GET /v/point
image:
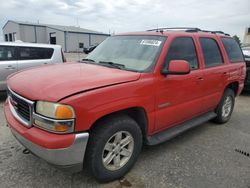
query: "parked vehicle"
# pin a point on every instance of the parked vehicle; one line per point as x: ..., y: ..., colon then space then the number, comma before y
x: 90, y: 49
x: 15, y: 56
x: 246, y: 52
x: 133, y: 89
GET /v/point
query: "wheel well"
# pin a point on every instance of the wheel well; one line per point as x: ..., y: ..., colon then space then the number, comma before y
x: 136, y: 113
x: 234, y: 86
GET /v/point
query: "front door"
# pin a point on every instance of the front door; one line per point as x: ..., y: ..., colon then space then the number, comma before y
x: 178, y: 97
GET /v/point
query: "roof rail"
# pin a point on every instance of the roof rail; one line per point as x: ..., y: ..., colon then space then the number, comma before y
x: 161, y: 29
x: 219, y: 32
x: 187, y: 29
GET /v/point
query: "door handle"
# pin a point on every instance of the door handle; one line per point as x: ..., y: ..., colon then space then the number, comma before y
x: 10, y: 67
x: 200, y: 78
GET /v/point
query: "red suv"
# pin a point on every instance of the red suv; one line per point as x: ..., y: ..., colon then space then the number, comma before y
x: 133, y: 89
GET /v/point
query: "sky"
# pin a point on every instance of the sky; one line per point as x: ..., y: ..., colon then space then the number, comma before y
x: 108, y: 16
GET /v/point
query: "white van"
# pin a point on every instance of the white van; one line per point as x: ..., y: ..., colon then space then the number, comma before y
x: 15, y: 56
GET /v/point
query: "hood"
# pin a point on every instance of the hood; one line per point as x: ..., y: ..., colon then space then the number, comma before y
x: 54, y: 82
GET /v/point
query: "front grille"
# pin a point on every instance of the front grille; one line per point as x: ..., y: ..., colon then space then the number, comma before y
x: 21, y: 108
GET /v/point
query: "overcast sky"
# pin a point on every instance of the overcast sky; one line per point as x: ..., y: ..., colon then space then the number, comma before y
x: 231, y: 16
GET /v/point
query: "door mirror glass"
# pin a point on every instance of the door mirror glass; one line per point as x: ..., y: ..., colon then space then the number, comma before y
x: 177, y: 67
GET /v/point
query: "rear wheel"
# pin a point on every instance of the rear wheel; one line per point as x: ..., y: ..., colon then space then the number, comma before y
x: 114, y: 146
x: 225, y: 107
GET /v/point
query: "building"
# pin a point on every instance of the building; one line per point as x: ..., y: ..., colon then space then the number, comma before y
x: 71, y: 38
x: 246, y: 39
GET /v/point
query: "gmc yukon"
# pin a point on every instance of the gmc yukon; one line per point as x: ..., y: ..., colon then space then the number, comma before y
x: 133, y: 89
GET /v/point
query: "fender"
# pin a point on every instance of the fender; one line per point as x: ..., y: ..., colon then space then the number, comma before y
x: 86, y: 117
x: 124, y: 104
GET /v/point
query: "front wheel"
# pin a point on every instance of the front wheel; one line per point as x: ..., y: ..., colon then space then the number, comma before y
x: 225, y: 107
x: 113, y: 148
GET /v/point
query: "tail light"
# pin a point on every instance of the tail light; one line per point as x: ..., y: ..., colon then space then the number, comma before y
x: 63, y: 56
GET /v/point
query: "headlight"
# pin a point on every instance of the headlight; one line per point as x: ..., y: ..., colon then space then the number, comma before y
x: 55, y: 110
x: 54, y: 117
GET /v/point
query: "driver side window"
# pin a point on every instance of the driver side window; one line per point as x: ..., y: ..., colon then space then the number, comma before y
x: 182, y: 48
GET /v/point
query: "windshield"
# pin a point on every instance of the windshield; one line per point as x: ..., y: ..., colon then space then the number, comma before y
x: 136, y: 53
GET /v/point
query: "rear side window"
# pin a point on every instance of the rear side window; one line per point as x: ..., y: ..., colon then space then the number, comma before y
x: 182, y: 48
x: 7, y: 53
x: 211, y: 52
x: 28, y: 53
x: 233, y: 50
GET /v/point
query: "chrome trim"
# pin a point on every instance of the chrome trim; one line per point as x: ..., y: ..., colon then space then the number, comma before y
x: 163, y: 105
x: 51, y: 121
x: 15, y: 113
x: 19, y: 96
x: 72, y: 155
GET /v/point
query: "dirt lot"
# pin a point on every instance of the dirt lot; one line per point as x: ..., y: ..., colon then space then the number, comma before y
x: 71, y: 57
x: 202, y: 157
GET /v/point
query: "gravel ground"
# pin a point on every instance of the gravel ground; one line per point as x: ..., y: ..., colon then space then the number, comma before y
x: 71, y: 57
x: 202, y: 157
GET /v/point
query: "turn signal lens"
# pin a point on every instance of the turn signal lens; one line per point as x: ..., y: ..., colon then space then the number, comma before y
x: 61, y: 128
x: 64, y: 112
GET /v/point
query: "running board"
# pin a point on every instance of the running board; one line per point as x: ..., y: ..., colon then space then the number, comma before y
x: 176, y: 130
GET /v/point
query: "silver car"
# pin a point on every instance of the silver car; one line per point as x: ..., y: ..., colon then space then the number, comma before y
x: 15, y: 56
x: 246, y: 52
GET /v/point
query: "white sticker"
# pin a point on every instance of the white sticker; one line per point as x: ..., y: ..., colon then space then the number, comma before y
x: 151, y: 42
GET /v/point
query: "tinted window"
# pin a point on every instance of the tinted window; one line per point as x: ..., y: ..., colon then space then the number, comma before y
x: 26, y: 53
x: 7, y: 53
x: 183, y: 48
x: 211, y: 52
x: 233, y: 49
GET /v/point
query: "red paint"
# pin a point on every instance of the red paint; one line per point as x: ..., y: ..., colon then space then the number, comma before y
x: 167, y: 100
x: 179, y: 66
x: 52, y: 83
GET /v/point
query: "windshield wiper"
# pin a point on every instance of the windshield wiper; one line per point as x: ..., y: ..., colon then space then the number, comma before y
x: 86, y: 59
x: 112, y: 64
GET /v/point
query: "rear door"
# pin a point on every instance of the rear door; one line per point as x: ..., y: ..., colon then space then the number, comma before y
x: 178, y: 97
x: 34, y: 56
x: 8, y: 64
x: 214, y: 71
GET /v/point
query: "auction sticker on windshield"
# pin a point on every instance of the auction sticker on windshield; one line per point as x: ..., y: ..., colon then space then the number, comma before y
x: 151, y: 42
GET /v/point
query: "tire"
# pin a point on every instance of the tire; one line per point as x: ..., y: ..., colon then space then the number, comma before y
x: 105, y: 134
x: 225, y: 108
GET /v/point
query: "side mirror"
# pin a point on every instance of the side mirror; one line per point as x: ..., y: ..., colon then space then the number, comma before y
x: 177, y: 67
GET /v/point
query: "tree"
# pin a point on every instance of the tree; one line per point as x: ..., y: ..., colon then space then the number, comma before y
x: 237, y: 39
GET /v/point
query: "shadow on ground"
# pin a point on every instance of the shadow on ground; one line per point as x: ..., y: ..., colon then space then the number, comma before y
x: 3, y: 96
x: 245, y: 93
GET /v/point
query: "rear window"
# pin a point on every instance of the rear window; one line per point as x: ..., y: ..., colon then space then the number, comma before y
x: 7, y: 53
x: 28, y: 53
x: 233, y: 50
x: 211, y: 52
